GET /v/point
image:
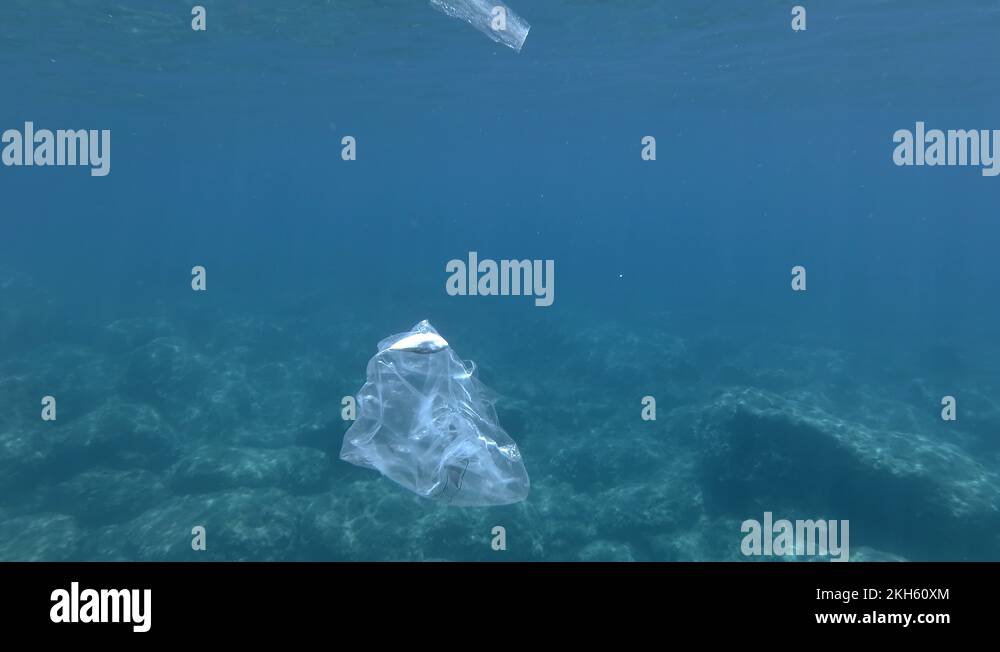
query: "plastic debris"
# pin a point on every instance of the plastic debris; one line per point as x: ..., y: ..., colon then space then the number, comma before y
x: 491, y: 17
x: 426, y: 422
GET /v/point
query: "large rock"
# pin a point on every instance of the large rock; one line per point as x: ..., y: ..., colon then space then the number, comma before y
x: 904, y: 492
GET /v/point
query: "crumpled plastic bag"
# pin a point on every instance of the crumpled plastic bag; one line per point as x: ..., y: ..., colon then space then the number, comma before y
x: 426, y: 422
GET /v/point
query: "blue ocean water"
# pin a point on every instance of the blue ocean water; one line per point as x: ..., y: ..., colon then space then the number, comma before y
x: 221, y: 409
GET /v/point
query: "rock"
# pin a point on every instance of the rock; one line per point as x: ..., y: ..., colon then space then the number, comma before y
x: 591, y: 460
x: 552, y: 524
x: 606, y: 551
x: 372, y: 520
x: 165, y: 372
x: 864, y: 553
x: 710, y: 539
x: 240, y: 525
x: 128, y: 334
x: 666, y: 504
x: 216, y: 468
x: 23, y: 459
x: 104, y: 496
x: 39, y: 537
x: 327, y: 437
x: 763, y: 452
x: 327, y: 533
x: 118, y: 434
x: 632, y: 361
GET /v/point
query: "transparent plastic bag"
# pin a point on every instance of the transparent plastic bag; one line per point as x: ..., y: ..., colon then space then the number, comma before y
x: 426, y: 422
x: 481, y: 14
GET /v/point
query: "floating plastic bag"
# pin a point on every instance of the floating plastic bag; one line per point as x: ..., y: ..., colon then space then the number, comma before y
x: 426, y: 422
x: 491, y: 17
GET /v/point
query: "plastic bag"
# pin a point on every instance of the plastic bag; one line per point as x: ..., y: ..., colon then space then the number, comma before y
x: 509, y: 29
x: 426, y: 422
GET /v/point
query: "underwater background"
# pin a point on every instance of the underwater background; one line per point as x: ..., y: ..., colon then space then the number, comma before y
x: 222, y: 408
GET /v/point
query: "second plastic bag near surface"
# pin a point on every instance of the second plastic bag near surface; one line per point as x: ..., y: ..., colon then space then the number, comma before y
x: 425, y: 421
x: 509, y: 29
